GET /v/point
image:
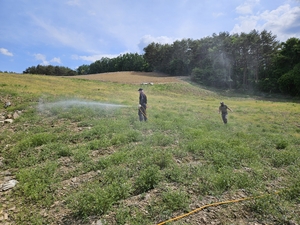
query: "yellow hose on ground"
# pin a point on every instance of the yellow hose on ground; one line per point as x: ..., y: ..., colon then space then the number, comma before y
x: 213, y: 204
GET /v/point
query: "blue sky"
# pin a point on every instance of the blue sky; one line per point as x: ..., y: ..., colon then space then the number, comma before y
x: 71, y: 33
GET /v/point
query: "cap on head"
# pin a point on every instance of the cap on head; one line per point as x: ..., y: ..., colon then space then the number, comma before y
x: 140, y: 89
x: 222, y: 103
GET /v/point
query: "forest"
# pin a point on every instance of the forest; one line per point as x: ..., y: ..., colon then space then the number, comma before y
x: 254, y: 61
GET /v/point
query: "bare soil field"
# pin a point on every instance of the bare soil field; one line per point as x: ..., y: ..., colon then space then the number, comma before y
x: 132, y: 77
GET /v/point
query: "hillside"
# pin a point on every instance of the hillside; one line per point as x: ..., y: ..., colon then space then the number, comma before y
x: 132, y: 77
x: 81, y: 156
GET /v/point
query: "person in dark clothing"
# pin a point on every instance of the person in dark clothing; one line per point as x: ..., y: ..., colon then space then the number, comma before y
x: 223, y: 109
x: 142, y: 106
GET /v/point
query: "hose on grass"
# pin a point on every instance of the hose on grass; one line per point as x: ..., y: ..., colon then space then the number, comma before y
x: 214, y: 204
x: 143, y: 112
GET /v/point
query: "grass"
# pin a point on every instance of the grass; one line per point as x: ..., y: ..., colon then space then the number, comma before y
x: 81, y: 162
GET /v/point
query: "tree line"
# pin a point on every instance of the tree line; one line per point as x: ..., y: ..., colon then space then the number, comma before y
x: 50, y: 70
x: 125, y: 62
x: 245, y: 61
x: 253, y: 61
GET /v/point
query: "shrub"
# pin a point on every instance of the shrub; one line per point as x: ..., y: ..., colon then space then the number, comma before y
x: 122, y: 214
x: 91, y: 201
x: 29, y: 216
x: 285, y: 157
x: 175, y: 200
x: 138, y: 217
x: 281, y: 144
x: 97, y: 200
x: 269, y: 208
x: 160, y: 139
x: 37, y: 184
x: 35, y: 140
x: 81, y: 155
x: 292, y: 193
x: 175, y: 173
x: 161, y: 158
x: 56, y: 150
x: 147, y: 179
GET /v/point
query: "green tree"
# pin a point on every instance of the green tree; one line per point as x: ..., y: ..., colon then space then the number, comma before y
x: 284, y: 74
x: 83, y: 69
x: 289, y: 83
x: 50, y: 70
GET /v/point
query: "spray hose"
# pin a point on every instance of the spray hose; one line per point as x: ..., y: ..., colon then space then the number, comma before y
x: 143, y: 112
x: 214, y: 204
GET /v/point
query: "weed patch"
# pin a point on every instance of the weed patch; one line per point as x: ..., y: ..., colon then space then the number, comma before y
x: 147, y: 179
x: 87, y: 162
x: 37, y: 185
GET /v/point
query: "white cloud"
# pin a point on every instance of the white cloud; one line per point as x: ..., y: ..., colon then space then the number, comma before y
x: 90, y: 30
x: 45, y: 62
x: 247, y: 7
x: 216, y: 15
x: 148, y: 39
x: 41, y: 57
x: 93, y: 58
x: 5, y: 52
x: 56, y: 60
x: 246, y: 24
x: 283, y: 22
x: 73, y: 2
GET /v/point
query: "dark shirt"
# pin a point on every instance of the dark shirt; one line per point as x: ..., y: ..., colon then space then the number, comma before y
x: 223, y: 109
x: 143, y: 99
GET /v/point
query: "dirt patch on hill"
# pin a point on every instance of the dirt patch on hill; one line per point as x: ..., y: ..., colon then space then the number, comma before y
x: 132, y: 77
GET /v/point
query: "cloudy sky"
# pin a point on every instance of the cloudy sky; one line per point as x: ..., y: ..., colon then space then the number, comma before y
x: 71, y: 33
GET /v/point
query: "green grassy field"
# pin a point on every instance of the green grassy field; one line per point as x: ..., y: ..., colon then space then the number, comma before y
x: 81, y: 155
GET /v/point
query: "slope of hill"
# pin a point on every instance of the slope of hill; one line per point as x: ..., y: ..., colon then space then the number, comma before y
x: 81, y: 156
x: 132, y: 77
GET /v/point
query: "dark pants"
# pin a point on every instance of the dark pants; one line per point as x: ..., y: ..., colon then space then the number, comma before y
x: 142, y: 113
x: 224, y: 117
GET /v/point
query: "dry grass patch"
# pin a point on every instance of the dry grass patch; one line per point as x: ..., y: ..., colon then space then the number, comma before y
x: 132, y: 77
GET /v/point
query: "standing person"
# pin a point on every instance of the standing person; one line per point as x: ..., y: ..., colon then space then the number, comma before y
x: 142, y: 105
x: 223, y: 108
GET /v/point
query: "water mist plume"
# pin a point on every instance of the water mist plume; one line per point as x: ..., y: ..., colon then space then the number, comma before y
x: 65, y: 104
